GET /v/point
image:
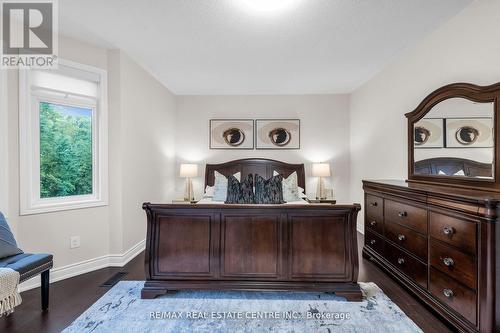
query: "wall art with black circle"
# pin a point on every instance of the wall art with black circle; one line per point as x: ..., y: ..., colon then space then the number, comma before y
x: 469, y: 133
x: 231, y: 134
x: 429, y: 133
x: 277, y: 133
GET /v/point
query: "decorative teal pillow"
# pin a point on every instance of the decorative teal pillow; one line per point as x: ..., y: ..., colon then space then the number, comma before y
x: 8, y: 245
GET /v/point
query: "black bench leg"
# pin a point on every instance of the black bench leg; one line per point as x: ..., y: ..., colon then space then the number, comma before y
x: 45, y: 290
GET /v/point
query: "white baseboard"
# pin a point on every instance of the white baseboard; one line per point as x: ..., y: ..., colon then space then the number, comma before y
x: 120, y: 260
x: 65, y: 272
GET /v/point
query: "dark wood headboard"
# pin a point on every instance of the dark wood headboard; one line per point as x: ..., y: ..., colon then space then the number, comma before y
x: 452, y: 165
x: 261, y: 166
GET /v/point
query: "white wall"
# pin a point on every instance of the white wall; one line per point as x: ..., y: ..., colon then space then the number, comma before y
x: 465, y: 49
x: 324, y: 133
x: 141, y: 148
x: 115, y: 152
x: 141, y: 167
x: 147, y: 141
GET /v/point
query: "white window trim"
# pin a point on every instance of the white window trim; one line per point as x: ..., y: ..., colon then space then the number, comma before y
x: 30, y: 201
x: 4, y: 148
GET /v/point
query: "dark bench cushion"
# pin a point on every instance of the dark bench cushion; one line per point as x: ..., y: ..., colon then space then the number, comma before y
x: 28, y: 265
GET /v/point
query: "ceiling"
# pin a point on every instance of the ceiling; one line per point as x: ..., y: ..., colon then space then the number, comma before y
x: 228, y: 47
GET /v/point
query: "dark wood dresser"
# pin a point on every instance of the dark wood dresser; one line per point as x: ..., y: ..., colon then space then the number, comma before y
x: 440, y: 243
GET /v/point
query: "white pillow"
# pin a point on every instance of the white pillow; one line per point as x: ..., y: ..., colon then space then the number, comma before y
x: 209, y: 192
x: 302, y: 193
x: 220, y: 186
x: 458, y: 173
x: 290, y: 187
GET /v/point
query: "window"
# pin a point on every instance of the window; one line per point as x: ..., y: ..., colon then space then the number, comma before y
x: 63, y: 138
x: 65, y: 150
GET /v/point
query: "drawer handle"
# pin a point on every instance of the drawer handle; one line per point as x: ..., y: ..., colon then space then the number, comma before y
x: 374, y: 204
x: 373, y: 241
x: 402, y: 214
x: 401, y: 237
x: 448, y: 262
x: 401, y: 261
x: 448, y: 231
x: 448, y: 293
x: 373, y: 223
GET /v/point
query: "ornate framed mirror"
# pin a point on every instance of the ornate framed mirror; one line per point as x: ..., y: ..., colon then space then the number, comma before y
x: 453, y: 138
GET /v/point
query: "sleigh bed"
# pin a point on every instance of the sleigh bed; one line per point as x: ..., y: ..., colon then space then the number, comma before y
x: 300, y: 247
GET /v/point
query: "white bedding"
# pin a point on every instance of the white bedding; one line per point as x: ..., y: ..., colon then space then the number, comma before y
x: 209, y: 201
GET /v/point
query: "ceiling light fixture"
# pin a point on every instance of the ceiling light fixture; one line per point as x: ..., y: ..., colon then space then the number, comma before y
x: 269, y: 5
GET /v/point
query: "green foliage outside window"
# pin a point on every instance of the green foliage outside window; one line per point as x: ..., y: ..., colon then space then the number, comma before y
x: 65, y: 150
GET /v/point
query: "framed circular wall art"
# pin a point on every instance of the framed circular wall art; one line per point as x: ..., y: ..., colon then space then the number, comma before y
x: 277, y: 133
x: 231, y: 134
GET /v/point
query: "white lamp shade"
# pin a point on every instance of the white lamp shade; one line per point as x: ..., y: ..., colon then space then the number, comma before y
x: 321, y: 170
x: 189, y: 170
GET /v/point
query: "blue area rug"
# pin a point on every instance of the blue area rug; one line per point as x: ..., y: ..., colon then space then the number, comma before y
x: 122, y: 310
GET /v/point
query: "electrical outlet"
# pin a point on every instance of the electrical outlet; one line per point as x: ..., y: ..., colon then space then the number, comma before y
x: 74, y: 242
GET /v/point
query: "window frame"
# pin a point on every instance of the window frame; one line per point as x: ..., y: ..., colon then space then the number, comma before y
x: 29, y: 140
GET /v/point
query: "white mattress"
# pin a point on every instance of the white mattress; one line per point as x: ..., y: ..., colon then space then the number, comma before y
x: 209, y: 201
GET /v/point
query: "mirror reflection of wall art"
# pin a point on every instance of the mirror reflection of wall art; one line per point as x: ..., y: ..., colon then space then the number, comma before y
x: 277, y: 133
x: 428, y: 133
x: 469, y: 133
x: 231, y: 134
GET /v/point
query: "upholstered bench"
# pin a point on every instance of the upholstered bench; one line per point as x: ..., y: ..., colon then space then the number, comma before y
x: 26, y: 264
x: 30, y: 265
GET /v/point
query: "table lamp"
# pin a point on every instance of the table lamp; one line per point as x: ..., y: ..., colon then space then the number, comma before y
x: 320, y: 170
x: 189, y: 171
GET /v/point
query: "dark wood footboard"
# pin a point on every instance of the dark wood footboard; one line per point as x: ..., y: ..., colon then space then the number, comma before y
x: 250, y: 247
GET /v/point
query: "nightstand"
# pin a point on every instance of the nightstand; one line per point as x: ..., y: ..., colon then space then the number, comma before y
x: 323, y: 201
x: 182, y: 202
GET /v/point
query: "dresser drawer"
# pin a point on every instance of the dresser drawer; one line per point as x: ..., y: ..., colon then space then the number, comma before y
x: 453, y: 294
x: 408, y: 239
x: 454, y: 263
x: 456, y: 232
x: 374, y: 242
x: 375, y: 225
x: 410, y: 216
x: 407, y: 264
x: 374, y: 207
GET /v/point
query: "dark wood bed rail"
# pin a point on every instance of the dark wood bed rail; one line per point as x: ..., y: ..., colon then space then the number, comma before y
x: 252, y: 247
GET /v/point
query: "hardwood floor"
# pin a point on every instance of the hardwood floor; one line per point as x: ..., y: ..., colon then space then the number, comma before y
x: 70, y: 297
